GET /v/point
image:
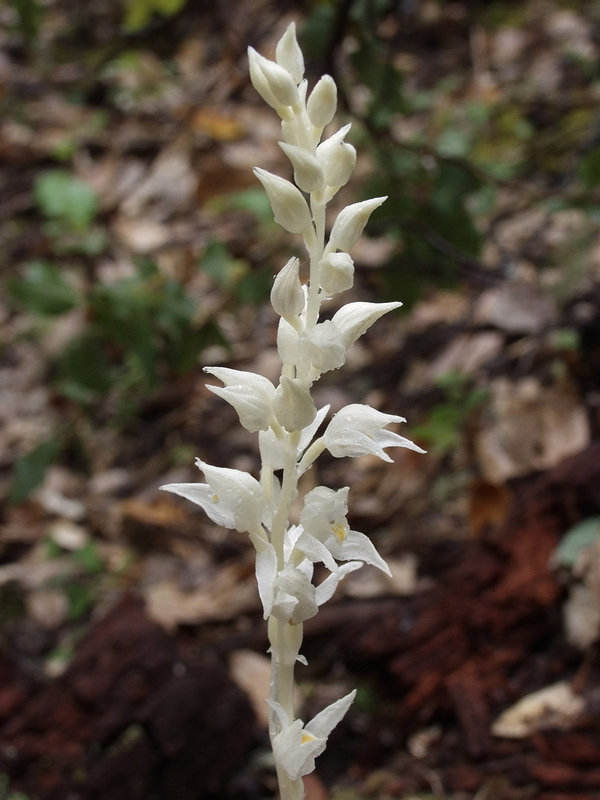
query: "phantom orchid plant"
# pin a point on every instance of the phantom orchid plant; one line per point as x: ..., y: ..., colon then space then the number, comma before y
x: 285, y: 416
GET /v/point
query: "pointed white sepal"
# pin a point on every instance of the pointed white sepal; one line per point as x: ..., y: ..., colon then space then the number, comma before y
x: 289, y: 55
x: 337, y: 158
x: 336, y: 273
x: 350, y: 222
x: 353, y: 319
x: 293, y: 404
x: 231, y: 498
x: 358, y: 430
x: 322, y: 102
x: 295, y: 745
x: 251, y: 395
x: 308, y: 173
x: 287, y: 295
x: 289, y: 206
x: 279, y: 81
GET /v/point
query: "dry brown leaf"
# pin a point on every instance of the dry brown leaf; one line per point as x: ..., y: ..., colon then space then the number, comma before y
x: 230, y: 592
x: 488, y: 505
x: 252, y: 673
x: 371, y: 582
x: 555, y: 706
x: 141, y: 235
x: 532, y: 427
x: 216, y: 124
x: 516, y: 308
x: 465, y: 354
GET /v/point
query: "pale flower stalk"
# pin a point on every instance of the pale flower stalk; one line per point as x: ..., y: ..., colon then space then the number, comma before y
x: 285, y: 415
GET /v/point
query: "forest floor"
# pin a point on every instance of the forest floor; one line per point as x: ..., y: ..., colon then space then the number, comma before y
x: 135, y: 248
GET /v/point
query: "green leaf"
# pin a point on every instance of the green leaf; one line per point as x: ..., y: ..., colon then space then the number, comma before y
x: 225, y: 270
x: 44, y: 290
x: 80, y: 599
x: 575, y: 540
x: 589, y: 168
x: 316, y: 35
x: 89, y: 558
x: 138, y: 13
x: 453, y: 143
x: 29, y: 471
x: 62, y: 196
x: 83, y: 371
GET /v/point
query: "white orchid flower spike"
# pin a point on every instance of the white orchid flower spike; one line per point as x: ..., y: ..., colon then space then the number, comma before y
x: 304, y: 545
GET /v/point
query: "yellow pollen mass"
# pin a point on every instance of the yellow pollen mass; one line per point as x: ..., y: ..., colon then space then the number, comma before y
x: 339, y: 531
x: 215, y: 498
x: 307, y: 737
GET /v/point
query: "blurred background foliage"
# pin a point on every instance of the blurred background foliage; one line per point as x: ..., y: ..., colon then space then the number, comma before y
x: 457, y: 145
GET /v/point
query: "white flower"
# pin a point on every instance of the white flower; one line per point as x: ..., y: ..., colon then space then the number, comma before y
x: 324, y: 513
x: 320, y: 346
x: 272, y: 449
x: 350, y: 222
x: 289, y: 206
x: 289, y: 55
x: 251, y: 395
x: 287, y: 295
x: 336, y: 273
x: 287, y: 594
x: 326, y: 534
x: 358, y: 429
x: 322, y: 102
x: 231, y: 498
x: 296, y: 745
x: 293, y: 404
x: 337, y: 158
x: 353, y: 319
x: 294, y: 599
x: 272, y: 81
x: 308, y: 174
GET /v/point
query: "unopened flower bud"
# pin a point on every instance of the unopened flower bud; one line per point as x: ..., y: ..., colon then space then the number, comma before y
x: 350, y: 222
x: 337, y: 158
x: 337, y: 273
x: 289, y: 206
x: 289, y: 55
x: 287, y: 296
x: 279, y: 81
x: 293, y: 405
x: 322, y: 102
x: 308, y: 174
x: 251, y: 395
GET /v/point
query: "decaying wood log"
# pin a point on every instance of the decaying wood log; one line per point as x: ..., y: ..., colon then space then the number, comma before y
x: 132, y: 718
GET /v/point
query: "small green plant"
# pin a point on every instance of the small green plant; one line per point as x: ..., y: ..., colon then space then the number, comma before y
x: 138, y: 13
x: 138, y: 330
x: 444, y: 427
x: 66, y: 199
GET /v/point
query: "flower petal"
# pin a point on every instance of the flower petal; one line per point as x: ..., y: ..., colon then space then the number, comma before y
x: 353, y: 319
x: 251, y: 395
x: 231, y: 498
x: 325, y: 721
x: 357, y: 547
